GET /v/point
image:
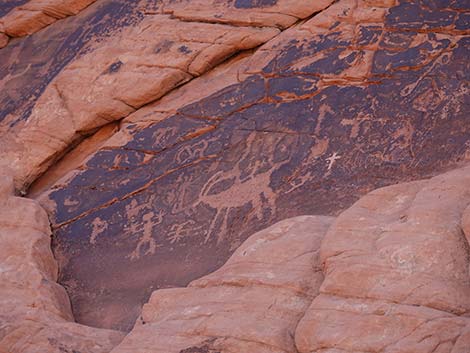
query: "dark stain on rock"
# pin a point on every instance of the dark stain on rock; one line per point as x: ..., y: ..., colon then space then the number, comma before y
x: 8, y: 5
x: 415, y: 14
x: 249, y: 4
x: 45, y: 53
x: 164, y: 46
x: 463, y: 22
x: 291, y: 87
x: 369, y: 35
x: 114, y: 67
x: 184, y: 49
x: 411, y: 57
x: 228, y: 100
x: 205, y: 347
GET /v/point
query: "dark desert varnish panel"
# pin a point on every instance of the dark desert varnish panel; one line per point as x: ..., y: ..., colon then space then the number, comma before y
x: 45, y: 53
x: 174, y: 203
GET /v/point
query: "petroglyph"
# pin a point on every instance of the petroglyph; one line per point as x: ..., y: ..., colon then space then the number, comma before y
x: 356, y: 124
x: 178, y: 196
x: 192, y: 152
x: 144, y: 227
x: 332, y: 159
x: 99, y: 226
x: 179, y: 231
x: 252, y: 188
x: 147, y: 244
x: 317, y: 118
x: 323, y: 111
x: 302, y: 174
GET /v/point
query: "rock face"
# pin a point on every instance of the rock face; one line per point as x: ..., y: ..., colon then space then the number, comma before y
x: 136, y: 67
x: 390, y: 275
x: 35, y: 312
x: 252, y: 304
x: 158, y: 136
x: 357, y: 97
x: 396, y: 268
x: 33, y: 15
x: 396, y: 279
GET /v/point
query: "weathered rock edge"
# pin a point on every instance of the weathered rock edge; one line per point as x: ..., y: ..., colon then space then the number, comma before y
x: 36, y: 14
x: 35, y: 312
x: 396, y: 268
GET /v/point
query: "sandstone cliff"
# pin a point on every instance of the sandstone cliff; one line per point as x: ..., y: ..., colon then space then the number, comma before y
x: 158, y: 160
x: 390, y: 274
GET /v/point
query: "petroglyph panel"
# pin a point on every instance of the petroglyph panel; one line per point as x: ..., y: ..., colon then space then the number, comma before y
x: 332, y: 114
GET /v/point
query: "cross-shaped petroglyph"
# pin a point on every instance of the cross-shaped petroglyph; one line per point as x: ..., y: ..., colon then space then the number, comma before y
x: 332, y: 159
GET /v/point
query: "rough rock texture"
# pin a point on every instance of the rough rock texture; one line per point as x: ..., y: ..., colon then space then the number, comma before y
x: 252, y: 304
x: 122, y: 73
x: 396, y: 268
x: 35, y: 312
x: 391, y: 275
x: 260, y: 13
x: 212, y: 138
x: 135, y: 68
x: 357, y: 97
x: 34, y: 15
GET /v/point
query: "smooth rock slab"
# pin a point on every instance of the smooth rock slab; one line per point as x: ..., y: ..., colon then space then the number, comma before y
x: 34, y: 15
x: 396, y: 268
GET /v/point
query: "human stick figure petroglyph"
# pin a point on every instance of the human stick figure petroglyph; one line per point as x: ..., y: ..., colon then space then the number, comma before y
x: 146, y: 244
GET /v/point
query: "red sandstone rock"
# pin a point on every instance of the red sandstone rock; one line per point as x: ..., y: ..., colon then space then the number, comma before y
x: 361, y: 95
x: 36, y: 14
x: 396, y: 268
x: 327, y: 110
x: 281, y: 13
x: 251, y: 304
x: 137, y: 67
x: 35, y: 313
x: 3, y: 40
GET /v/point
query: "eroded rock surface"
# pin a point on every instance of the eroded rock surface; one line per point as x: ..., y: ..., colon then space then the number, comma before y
x: 120, y: 74
x: 359, y: 96
x: 252, y: 304
x: 138, y: 67
x: 396, y: 268
x: 390, y: 274
x: 35, y: 312
x: 29, y: 17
